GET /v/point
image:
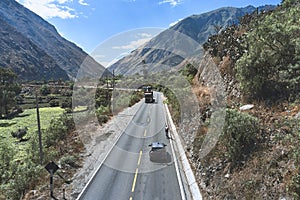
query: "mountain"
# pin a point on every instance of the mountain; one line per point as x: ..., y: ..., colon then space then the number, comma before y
x: 44, y: 38
x: 182, y: 42
x: 25, y: 58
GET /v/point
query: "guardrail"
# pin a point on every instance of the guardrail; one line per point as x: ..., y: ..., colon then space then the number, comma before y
x: 189, y: 183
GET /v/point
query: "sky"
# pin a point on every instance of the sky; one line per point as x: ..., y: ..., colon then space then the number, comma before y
x: 93, y: 23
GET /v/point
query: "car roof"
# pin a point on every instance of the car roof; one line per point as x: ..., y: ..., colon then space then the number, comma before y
x: 157, y: 145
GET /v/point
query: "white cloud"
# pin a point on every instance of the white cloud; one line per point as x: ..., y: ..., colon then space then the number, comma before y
x: 50, y: 8
x: 106, y: 63
x: 144, y: 35
x: 171, y: 2
x: 173, y: 23
x: 82, y: 2
x: 98, y: 57
x: 133, y: 44
x: 142, y: 39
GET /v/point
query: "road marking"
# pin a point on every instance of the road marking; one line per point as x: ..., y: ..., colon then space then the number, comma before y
x: 139, y: 161
x: 130, y: 198
x: 134, y: 180
x: 145, y: 132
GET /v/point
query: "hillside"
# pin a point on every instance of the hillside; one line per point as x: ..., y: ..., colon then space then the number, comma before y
x: 257, y: 153
x: 44, y: 36
x: 180, y: 42
x: 25, y: 58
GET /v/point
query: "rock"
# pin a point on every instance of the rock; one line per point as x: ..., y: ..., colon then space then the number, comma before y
x: 246, y: 107
x: 297, y: 116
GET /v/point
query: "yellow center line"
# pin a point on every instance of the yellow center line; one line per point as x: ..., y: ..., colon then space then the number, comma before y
x: 134, y: 180
x: 136, y: 173
x: 139, y: 161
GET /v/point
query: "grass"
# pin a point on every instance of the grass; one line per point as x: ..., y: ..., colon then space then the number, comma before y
x: 29, y: 119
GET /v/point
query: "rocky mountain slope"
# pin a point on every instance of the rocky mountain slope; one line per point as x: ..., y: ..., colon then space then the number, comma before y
x: 25, y: 58
x: 44, y: 36
x: 182, y: 41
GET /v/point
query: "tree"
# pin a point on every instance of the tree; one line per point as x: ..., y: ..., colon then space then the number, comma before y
x: 9, y: 89
x: 271, y: 67
x: 45, y: 90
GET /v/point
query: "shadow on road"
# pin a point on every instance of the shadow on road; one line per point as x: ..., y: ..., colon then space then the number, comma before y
x: 160, y: 157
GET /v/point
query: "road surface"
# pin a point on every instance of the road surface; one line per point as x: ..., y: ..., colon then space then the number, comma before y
x: 127, y: 173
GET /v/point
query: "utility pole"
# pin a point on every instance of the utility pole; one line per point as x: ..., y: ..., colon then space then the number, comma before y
x: 113, y: 79
x: 107, y: 91
x: 39, y: 129
x: 145, y: 73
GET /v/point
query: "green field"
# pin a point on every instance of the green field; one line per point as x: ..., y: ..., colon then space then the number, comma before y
x: 28, y: 119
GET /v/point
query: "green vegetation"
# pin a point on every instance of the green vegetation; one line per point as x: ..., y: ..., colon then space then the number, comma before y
x: 239, y: 138
x: 50, y: 94
x: 189, y: 71
x: 291, y: 138
x: 240, y: 135
x: 124, y: 99
x: 28, y: 119
x: 9, y: 89
x: 20, y: 167
x: 45, y: 90
x: 264, y: 48
x: 19, y: 161
x: 172, y: 101
x: 228, y: 42
x: 271, y: 67
x: 258, y: 150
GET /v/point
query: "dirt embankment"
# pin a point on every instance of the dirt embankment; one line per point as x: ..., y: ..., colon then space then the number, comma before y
x: 271, y: 170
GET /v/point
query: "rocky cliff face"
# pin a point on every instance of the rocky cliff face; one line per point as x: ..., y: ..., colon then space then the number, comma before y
x: 44, y: 36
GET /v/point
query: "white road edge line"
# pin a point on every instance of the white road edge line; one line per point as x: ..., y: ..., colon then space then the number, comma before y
x: 175, y: 161
x: 96, y: 171
x: 194, y: 188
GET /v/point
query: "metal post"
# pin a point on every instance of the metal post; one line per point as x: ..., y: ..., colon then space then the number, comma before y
x: 51, y: 182
x: 64, y: 195
x: 107, y: 92
x: 113, y: 80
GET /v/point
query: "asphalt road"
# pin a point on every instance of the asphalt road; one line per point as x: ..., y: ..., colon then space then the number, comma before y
x: 127, y: 172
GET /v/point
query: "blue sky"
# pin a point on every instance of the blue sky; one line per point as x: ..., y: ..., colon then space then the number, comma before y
x: 89, y: 23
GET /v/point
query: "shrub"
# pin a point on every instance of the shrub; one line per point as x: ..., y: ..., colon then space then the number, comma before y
x: 135, y: 97
x: 102, y: 119
x: 54, y: 103
x: 103, y: 110
x: 293, y: 186
x: 6, y: 156
x: 240, y: 134
x: 23, y: 176
x: 66, y: 103
x: 45, y: 90
x: 69, y: 161
x: 58, y: 129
